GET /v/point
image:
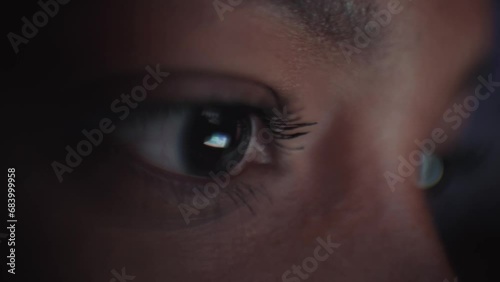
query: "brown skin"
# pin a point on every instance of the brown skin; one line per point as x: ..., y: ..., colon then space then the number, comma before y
x: 367, y: 113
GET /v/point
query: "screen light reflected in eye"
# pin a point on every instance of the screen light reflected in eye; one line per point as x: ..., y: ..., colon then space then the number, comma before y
x: 217, y: 140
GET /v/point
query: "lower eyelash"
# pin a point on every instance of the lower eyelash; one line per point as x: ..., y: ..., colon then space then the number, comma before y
x: 242, y: 193
x: 239, y: 192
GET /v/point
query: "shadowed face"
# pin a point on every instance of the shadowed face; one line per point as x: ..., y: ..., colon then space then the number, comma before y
x: 248, y: 140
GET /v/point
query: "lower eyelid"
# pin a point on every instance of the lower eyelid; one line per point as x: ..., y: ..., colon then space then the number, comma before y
x: 159, y: 198
x: 134, y: 196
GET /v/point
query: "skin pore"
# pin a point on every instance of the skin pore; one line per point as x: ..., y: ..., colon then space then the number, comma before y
x: 366, y: 114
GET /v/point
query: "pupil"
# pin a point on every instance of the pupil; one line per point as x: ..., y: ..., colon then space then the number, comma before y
x: 212, y: 137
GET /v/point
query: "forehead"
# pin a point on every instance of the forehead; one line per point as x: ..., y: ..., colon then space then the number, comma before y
x: 188, y: 34
x: 334, y: 19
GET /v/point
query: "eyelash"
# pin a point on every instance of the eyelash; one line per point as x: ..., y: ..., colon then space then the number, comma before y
x: 286, y: 129
x: 239, y: 192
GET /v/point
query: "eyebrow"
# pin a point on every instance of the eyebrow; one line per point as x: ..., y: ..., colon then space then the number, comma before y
x: 333, y: 20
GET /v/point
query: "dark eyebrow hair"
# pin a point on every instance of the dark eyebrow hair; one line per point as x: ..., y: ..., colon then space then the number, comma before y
x: 334, y: 20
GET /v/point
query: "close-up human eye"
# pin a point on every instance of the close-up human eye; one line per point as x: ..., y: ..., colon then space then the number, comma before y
x: 251, y: 140
x: 199, y: 139
x: 192, y: 140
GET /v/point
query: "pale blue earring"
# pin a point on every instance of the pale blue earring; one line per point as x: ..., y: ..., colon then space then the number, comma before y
x: 431, y: 171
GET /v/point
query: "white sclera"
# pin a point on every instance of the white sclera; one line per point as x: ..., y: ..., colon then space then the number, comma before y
x: 157, y: 140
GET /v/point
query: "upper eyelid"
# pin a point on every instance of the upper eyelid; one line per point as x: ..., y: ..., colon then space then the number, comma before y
x: 206, y: 88
x: 176, y: 89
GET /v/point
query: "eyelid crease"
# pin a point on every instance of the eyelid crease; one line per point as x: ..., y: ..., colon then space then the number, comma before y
x: 198, y: 87
x: 219, y: 87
